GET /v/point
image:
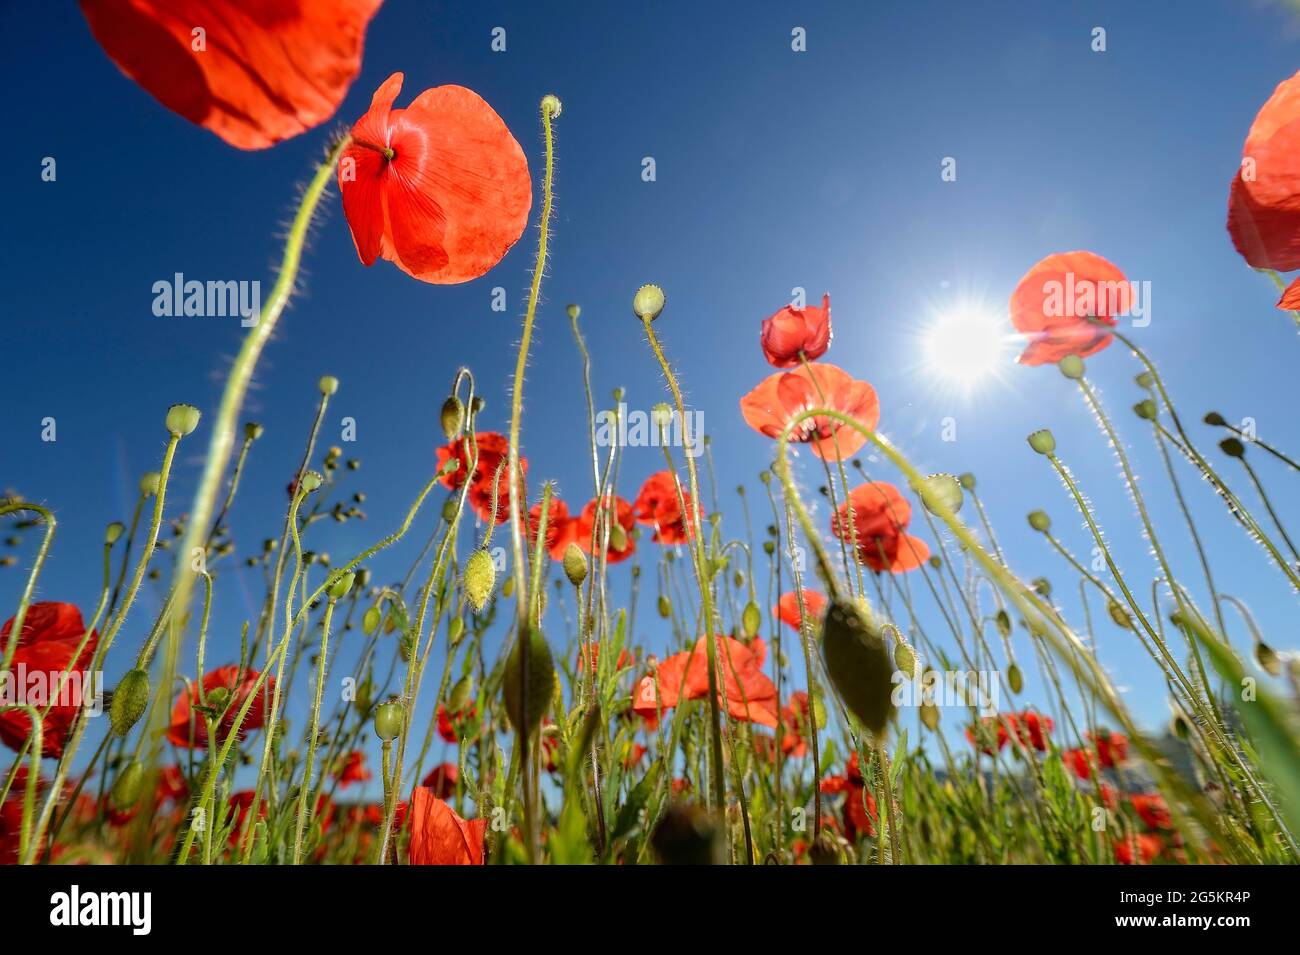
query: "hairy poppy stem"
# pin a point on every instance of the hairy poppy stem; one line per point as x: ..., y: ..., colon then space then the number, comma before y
x: 20, y: 617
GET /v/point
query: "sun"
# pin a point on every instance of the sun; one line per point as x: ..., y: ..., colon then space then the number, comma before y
x: 965, y: 347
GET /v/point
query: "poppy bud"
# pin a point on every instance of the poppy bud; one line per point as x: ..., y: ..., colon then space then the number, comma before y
x: 217, y: 698
x: 480, y: 577
x: 1042, y: 442
x: 508, y: 588
x: 662, y: 415
x: 665, y: 607
x: 769, y: 548
x: 1071, y: 366
x: 460, y: 694
x: 1039, y: 521
x: 149, y: 483
x: 449, y: 508
x: 406, y: 645
x: 904, y: 658
x: 528, y: 694
x: 575, y: 564
x: 751, y: 618
x: 182, y: 420
x: 1146, y: 409
x: 1215, y: 419
x: 113, y: 532
x: 573, y: 311
x: 930, y: 716
x: 551, y: 105
x: 858, y: 664
x: 1268, y: 659
x: 688, y: 835
x: 128, y: 786
x: 1043, y: 586
x: 328, y: 385
x: 130, y: 700
x: 1119, y: 614
x: 252, y: 430
x: 1232, y: 448
x: 1015, y: 679
x: 618, y: 538
x: 1145, y: 380
x: 311, y: 481
x: 388, y: 720
x: 946, y: 488
x: 453, y: 417
x: 1003, y: 620
x: 935, y: 561
x: 342, y: 586
x: 648, y: 302
x: 370, y: 621
x: 967, y: 481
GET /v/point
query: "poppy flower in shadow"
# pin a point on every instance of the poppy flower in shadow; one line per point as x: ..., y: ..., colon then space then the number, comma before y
x: 880, y: 519
x: 252, y: 73
x: 745, y: 692
x: 47, y: 645
x: 795, y: 332
x: 439, y: 836
x: 779, y: 398
x: 787, y: 608
x: 657, y: 504
x: 859, y: 804
x: 1264, y: 200
x: 225, y: 692
x: 493, y: 449
x: 441, y: 188
x: 1054, y: 304
x: 441, y: 780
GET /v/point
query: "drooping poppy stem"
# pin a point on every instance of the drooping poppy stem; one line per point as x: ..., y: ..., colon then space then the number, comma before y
x: 20, y: 617
x: 550, y: 110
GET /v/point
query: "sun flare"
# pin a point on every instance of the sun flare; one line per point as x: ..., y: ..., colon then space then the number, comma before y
x: 965, y: 347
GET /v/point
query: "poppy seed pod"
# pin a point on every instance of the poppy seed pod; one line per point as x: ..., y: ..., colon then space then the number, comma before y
x: 182, y: 419
x: 114, y: 532
x: 1232, y: 448
x: 149, y: 483
x: 648, y: 302
x: 1071, y: 366
x: 573, y: 311
x: 1043, y: 442
x: 575, y: 564
x: 946, y: 488
x: 1146, y: 409
x: 128, y: 786
x: 967, y: 481
x: 1215, y: 419
x: 480, y: 577
x: 328, y: 385
x: 311, y: 481
x: 1039, y: 521
x: 1043, y: 586
x: 528, y: 690
x: 130, y: 700
x: 551, y: 105
x: 252, y: 430
x: 388, y: 720
x: 452, y: 417
x: 858, y: 664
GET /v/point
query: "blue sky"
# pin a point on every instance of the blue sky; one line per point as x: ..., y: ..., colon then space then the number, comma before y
x: 775, y: 170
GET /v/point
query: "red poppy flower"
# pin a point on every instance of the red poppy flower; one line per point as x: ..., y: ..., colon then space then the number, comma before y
x: 857, y: 817
x: 787, y: 608
x: 439, y: 836
x: 1079, y: 761
x: 623, y: 515
x: 441, y: 780
x: 1145, y: 847
x: 238, y: 806
x: 440, y: 189
x: 780, y: 397
x: 561, y: 529
x: 794, y: 719
x: 493, y: 449
x: 1054, y: 301
x: 1264, y: 201
x: 172, y: 786
x: 989, y: 735
x: 1029, y: 728
x: 1152, y: 809
x: 635, y: 753
x: 1112, y: 748
x: 448, y: 722
x: 352, y: 769
x: 749, y: 694
x: 880, y: 518
x: 657, y: 504
x: 47, y: 645
x: 257, y: 74
x: 117, y: 818
x: 189, y: 728
x: 1109, y: 797
x: 794, y: 330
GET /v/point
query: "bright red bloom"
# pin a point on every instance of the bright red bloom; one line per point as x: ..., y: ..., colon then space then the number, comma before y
x: 749, y: 694
x: 1152, y: 809
x: 189, y: 728
x: 442, y: 780
x: 440, y: 189
x: 780, y: 397
x: 1079, y: 761
x: 1054, y: 301
x: 1029, y: 728
x: 47, y: 644
x: 493, y: 449
x: 1109, y: 797
x: 352, y: 769
x: 794, y: 330
x: 622, y: 515
x: 657, y: 504
x: 260, y: 73
x: 439, y: 836
x: 238, y: 807
x: 1264, y: 201
x: 880, y: 517
x: 1112, y: 749
x: 447, y: 728
x: 1144, y: 847
x: 561, y: 529
x: 857, y: 817
x: 787, y: 608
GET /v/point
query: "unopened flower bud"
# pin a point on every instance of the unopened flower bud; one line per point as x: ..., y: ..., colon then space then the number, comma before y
x: 665, y: 607
x: 1039, y: 521
x: 1146, y: 409
x: 573, y: 311
x: 1071, y: 366
x: 1233, y: 448
x: 1268, y: 659
x: 967, y: 481
x: 460, y: 694
x: 858, y: 664
x: 328, y: 385
x: 130, y: 700
x: 751, y: 618
x: 128, y: 786
x: 252, y: 430
x: 528, y: 686
x: 453, y: 417
x: 1215, y: 419
x: 342, y: 586
x: 575, y: 564
x: 114, y: 532
x: 551, y: 105
x: 149, y: 483
x: 480, y: 577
